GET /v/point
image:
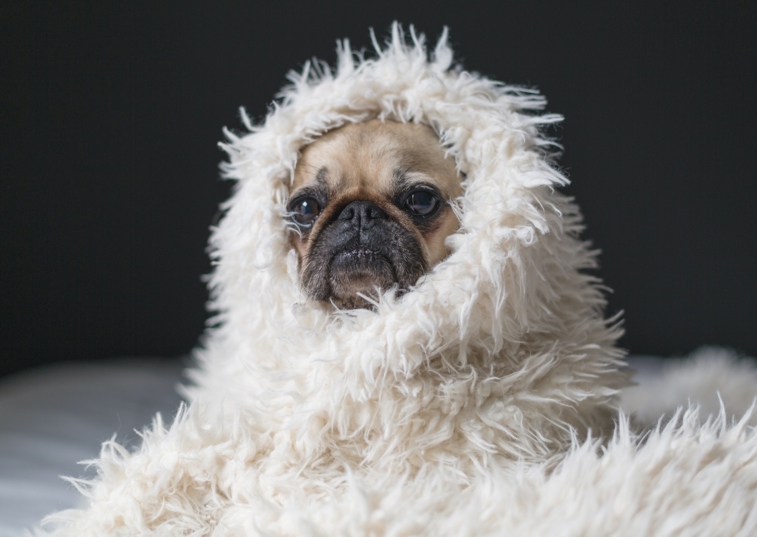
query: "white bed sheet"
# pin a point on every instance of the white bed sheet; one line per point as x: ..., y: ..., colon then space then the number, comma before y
x: 52, y: 417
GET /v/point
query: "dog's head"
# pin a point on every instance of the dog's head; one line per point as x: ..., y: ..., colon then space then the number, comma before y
x: 369, y: 207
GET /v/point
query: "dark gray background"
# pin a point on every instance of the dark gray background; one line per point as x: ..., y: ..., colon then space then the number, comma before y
x: 111, y: 113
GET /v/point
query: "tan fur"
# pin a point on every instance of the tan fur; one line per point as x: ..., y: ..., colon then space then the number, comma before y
x: 362, y: 162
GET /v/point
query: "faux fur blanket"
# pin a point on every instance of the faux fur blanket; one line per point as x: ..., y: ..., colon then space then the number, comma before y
x: 482, y: 402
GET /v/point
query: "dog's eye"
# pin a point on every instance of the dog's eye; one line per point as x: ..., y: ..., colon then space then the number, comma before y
x: 304, y: 211
x: 421, y: 203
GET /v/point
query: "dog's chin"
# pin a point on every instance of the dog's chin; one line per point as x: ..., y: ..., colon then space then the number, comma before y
x: 358, y: 276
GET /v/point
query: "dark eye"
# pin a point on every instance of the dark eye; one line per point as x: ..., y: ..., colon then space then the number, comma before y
x: 422, y: 203
x: 304, y: 211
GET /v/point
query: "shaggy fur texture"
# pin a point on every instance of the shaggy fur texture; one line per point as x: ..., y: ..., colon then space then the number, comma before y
x: 472, y: 405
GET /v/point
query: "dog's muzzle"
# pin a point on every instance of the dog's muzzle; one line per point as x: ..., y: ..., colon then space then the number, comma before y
x: 362, y: 249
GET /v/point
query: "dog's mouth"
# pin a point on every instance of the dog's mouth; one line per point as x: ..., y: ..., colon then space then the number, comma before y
x: 359, y: 271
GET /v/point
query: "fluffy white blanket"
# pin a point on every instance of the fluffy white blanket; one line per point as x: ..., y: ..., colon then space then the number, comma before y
x: 482, y: 402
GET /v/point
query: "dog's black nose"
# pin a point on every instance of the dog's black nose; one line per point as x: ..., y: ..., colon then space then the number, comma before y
x: 362, y: 212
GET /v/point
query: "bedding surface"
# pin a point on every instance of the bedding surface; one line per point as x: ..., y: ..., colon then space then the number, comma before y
x: 53, y: 417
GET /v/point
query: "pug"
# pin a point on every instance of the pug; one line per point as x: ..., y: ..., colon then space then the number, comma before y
x: 369, y: 210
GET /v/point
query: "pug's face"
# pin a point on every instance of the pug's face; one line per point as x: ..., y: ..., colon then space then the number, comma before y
x: 369, y: 204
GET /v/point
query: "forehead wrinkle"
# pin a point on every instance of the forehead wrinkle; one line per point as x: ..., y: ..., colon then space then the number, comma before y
x: 320, y: 176
x: 426, y: 162
x: 377, y: 156
x: 401, y: 179
x: 303, y: 173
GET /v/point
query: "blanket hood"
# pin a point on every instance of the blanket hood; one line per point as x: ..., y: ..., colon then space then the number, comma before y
x: 499, y: 354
